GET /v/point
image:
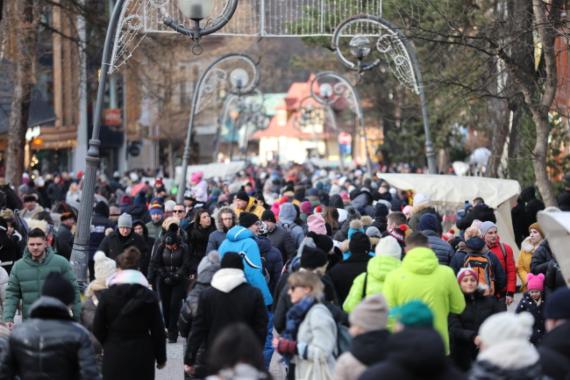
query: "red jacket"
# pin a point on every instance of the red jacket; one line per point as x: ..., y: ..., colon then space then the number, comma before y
x: 507, y: 261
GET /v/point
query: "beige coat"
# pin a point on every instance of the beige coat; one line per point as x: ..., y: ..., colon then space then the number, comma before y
x: 348, y: 367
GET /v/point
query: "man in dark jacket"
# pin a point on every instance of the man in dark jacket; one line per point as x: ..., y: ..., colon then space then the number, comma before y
x: 344, y: 273
x: 428, y: 225
x: 50, y: 345
x: 480, y: 212
x: 115, y: 243
x: 224, y: 220
x: 64, y: 237
x: 555, y: 347
x: 228, y: 301
x: 9, y: 250
x: 279, y: 236
x: 99, y: 224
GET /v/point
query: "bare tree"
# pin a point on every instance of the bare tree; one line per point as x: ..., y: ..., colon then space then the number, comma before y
x: 22, y: 20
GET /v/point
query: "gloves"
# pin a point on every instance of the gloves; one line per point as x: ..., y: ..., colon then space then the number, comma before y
x: 287, y: 347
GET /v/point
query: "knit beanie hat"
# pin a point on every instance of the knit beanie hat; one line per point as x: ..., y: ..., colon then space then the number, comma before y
x: 57, y: 286
x: 486, y: 226
x: 466, y: 272
x: 558, y: 304
x: 268, y: 216
x: 104, y: 266
x: 322, y: 242
x: 371, y: 314
x: 373, y: 232
x: 428, y: 222
x: 313, y: 258
x: 242, y: 196
x: 247, y: 219
x: 389, y: 246
x: 101, y: 208
x: 125, y: 220
x: 232, y: 260
x: 359, y: 243
x: 505, y: 326
x: 536, y: 226
x: 156, y: 208
x: 535, y: 281
x: 306, y: 208
x: 413, y: 314
x: 316, y: 224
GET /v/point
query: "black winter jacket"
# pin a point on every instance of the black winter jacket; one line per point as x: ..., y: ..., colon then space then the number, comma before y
x: 236, y: 302
x: 414, y: 354
x: 281, y: 239
x: 129, y: 325
x: 344, y: 273
x: 114, y: 244
x: 174, y: 264
x: 99, y: 225
x: 50, y: 345
x: 537, y: 310
x: 198, y: 240
x: 464, y: 327
x: 543, y: 261
x: 442, y: 249
x: 555, y: 352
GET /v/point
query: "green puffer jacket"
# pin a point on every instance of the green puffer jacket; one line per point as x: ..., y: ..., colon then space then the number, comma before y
x: 376, y: 270
x: 27, y: 279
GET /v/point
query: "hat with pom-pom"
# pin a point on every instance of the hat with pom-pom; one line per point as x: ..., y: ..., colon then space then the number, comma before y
x: 535, y: 281
x: 389, y: 246
x: 104, y: 266
x: 506, y: 326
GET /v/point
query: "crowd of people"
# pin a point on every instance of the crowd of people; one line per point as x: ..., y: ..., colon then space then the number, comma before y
x: 276, y: 274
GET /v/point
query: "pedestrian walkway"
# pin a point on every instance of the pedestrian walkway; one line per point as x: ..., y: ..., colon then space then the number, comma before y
x: 174, y: 369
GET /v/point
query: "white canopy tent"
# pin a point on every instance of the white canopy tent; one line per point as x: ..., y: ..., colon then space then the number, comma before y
x: 449, y: 193
x: 216, y: 170
x: 556, y: 226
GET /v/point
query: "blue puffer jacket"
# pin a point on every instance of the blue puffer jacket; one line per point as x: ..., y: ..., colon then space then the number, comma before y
x: 442, y: 249
x: 240, y: 239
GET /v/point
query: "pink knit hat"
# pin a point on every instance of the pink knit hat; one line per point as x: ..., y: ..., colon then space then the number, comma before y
x: 196, y: 177
x: 466, y: 272
x: 316, y: 224
x: 535, y: 281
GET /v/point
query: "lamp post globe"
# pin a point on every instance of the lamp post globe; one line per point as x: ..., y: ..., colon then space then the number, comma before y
x: 196, y: 9
x: 360, y: 47
x: 238, y: 78
x: 326, y: 91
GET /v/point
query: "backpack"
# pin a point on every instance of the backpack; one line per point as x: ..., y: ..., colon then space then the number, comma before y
x: 343, y: 340
x: 483, y: 267
x: 263, y: 267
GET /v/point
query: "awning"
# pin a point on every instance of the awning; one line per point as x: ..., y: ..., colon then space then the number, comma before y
x: 556, y: 226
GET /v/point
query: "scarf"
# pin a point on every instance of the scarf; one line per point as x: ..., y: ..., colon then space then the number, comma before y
x: 295, y: 316
x: 128, y: 276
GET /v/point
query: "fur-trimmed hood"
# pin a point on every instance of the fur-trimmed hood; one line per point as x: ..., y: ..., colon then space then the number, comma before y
x: 218, y: 218
x: 227, y: 279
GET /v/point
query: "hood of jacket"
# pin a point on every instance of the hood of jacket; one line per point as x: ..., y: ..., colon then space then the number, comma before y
x: 238, y: 233
x: 527, y: 245
x: 420, y: 261
x: 419, y: 350
x: 50, y: 308
x: 208, y: 266
x: 128, y: 276
x: 227, y: 279
x: 287, y: 213
x: 139, y: 222
x: 370, y: 348
x: 379, y: 267
x: 218, y: 218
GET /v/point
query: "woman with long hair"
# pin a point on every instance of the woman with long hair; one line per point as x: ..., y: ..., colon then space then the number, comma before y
x: 198, y: 233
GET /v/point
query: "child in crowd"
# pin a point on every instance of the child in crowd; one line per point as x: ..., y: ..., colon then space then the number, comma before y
x: 533, y: 302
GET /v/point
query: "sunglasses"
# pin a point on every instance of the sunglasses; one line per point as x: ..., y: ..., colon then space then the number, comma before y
x: 178, y: 211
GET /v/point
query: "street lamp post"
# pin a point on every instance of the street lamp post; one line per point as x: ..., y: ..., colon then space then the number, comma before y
x: 80, y: 253
x: 393, y: 45
x: 240, y: 83
x: 331, y: 93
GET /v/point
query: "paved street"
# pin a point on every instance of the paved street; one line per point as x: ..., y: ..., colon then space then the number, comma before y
x: 174, y: 369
